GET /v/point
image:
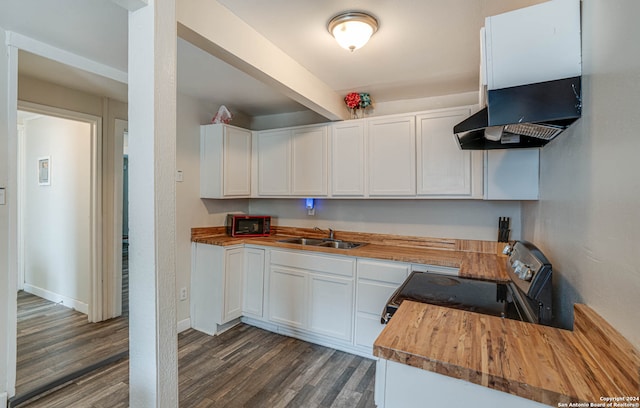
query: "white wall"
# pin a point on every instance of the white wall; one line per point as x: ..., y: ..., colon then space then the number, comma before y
x: 467, y: 219
x: 191, y: 210
x: 377, y: 109
x: 587, y: 220
x: 57, y: 217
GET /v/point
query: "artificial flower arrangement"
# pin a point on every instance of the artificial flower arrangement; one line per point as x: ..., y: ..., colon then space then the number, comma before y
x: 355, y: 101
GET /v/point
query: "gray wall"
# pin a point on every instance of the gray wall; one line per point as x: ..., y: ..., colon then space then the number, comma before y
x: 191, y: 211
x: 588, y: 218
x: 467, y: 219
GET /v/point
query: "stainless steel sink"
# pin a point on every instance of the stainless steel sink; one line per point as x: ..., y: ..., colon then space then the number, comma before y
x: 322, y: 243
x: 302, y: 241
x: 342, y: 244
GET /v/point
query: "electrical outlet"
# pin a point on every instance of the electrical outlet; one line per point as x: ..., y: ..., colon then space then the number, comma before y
x: 183, y: 293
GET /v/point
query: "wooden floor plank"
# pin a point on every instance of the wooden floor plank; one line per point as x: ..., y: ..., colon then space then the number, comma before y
x: 244, y: 367
x: 53, y: 341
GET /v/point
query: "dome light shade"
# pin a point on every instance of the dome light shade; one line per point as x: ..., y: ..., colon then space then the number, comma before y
x: 352, y: 29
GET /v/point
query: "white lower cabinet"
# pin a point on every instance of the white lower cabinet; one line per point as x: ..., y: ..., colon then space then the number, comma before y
x: 331, y: 309
x: 400, y: 385
x: 253, y: 296
x: 219, y: 294
x: 233, y: 271
x: 377, y: 280
x: 288, y: 297
x: 312, y: 292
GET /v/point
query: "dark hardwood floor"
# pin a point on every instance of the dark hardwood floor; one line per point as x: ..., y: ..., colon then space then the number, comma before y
x: 244, y: 367
x: 54, y: 341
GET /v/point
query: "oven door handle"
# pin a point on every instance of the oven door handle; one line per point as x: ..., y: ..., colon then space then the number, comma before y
x: 520, y: 304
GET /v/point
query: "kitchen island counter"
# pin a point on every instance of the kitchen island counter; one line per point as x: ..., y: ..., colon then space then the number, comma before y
x: 539, y: 363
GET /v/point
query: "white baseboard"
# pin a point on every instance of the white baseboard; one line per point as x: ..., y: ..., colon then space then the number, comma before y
x: 184, y: 324
x: 56, y: 298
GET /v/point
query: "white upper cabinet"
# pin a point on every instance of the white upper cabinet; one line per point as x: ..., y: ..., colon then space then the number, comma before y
x: 392, y: 156
x: 309, y: 161
x: 274, y: 162
x: 512, y: 174
x: 533, y: 44
x: 444, y: 169
x: 225, y: 161
x: 348, y: 159
x: 293, y: 161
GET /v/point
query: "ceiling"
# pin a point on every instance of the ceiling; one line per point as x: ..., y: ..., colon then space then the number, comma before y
x: 423, y: 48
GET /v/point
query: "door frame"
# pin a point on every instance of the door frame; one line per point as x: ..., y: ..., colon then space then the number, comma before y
x: 112, y: 287
x: 96, y: 266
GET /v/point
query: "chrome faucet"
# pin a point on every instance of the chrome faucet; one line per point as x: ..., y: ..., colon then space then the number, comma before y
x: 331, y: 238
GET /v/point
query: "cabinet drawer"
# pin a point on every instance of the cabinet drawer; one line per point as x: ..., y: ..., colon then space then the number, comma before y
x: 372, y: 296
x: 317, y: 263
x: 368, y: 328
x: 391, y: 272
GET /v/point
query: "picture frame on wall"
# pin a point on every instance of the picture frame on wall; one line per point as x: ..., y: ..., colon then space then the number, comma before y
x: 44, y: 171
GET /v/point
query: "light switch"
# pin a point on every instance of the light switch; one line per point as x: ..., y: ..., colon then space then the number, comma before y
x: 3, y: 200
x: 179, y: 176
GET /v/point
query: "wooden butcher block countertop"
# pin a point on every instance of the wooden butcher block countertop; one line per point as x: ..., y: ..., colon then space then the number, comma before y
x: 540, y: 363
x: 475, y: 259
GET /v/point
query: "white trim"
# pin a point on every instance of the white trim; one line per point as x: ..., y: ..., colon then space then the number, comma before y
x: 184, y: 324
x: 12, y: 201
x: 20, y: 191
x: 96, y: 273
x: 3, y: 399
x: 115, y: 278
x: 65, y: 57
x: 57, y: 298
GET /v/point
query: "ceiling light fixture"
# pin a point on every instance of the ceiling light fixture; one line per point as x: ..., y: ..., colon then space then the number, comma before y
x: 352, y: 29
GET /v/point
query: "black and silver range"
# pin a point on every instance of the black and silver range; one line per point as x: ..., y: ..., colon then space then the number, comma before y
x: 526, y: 297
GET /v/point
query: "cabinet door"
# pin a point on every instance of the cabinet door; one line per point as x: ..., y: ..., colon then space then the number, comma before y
x: 512, y: 174
x: 331, y: 310
x: 274, y: 164
x: 392, y: 156
x: 253, y: 281
x: 234, y: 269
x: 443, y: 169
x: 533, y: 44
x: 288, y: 297
x: 207, y: 277
x: 309, y: 161
x: 237, y: 162
x: 348, y: 159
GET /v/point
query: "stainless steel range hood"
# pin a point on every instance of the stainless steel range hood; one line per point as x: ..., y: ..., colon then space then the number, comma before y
x: 522, y: 116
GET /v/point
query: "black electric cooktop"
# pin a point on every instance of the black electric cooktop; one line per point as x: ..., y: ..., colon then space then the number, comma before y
x: 450, y: 291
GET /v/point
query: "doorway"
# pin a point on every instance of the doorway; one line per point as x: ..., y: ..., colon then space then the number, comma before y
x: 59, y: 250
x: 59, y: 194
